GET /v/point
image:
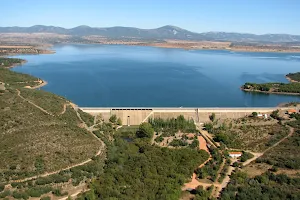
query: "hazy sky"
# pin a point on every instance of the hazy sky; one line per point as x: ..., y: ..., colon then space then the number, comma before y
x: 250, y: 16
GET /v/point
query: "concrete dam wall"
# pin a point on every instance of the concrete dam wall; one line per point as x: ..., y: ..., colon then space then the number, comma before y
x: 135, y: 116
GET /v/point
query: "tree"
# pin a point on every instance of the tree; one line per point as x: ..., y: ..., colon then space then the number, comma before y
x: 209, y: 127
x: 212, y: 117
x: 113, y: 119
x: 145, y: 130
x: 119, y: 122
x: 254, y: 114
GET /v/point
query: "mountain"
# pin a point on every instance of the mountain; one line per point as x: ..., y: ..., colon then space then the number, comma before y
x: 165, y: 32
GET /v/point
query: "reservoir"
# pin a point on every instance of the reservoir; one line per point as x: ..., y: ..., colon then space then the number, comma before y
x: 136, y: 76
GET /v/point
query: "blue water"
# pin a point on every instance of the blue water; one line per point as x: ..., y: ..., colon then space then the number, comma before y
x: 116, y: 75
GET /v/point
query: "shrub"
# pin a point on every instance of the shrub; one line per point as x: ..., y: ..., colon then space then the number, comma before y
x: 113, y: 119
x: 2, y: 186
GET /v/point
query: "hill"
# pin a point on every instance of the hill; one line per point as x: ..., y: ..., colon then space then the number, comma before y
x: 39, y: 132
x: 165, y: 32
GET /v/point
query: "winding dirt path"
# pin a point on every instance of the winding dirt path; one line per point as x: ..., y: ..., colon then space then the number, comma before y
x: 40, y: 108
x: 55, y: 172
x: 101, y: 150
x: 256, y: 156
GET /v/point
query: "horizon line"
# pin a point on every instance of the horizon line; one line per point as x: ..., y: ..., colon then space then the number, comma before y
x: 150, y: 29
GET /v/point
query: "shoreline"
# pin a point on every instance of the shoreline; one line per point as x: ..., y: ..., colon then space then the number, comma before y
x: 188, y: 45
x: 266, y: 92
x: 42, y: 82
x: 279, y: 93
x: 291, y: 80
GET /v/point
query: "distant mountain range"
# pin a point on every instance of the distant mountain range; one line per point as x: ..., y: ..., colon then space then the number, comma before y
x: 165, y: 32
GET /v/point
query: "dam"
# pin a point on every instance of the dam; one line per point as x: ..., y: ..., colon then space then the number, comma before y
x: 135, y: 116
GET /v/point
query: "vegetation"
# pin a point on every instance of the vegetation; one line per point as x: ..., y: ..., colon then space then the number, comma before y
x: 224, y: 170
x: 119, y: 122
x: 246, y: 156
x: 17, y: 80
x: 195, y: 143
x: 145, y: 131
x: 87, y: 118
x: 211, y: 168
x: 139, y: 170
x: 212, y: 117
x: 294, y: 76
x: 265, y: 186
x: 201, y: 193
x: 171, y: 126
x: 285, y: 155
x: 52, y: 103
x: 113, y: 119
x: 8, y: 62
x: 256, y: 138
x: 178, y: 142
x: 273, y: 87
x: 159, y: 139
x: 24, y: 128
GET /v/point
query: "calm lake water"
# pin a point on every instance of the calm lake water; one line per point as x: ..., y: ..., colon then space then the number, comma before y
x: 122, y: 76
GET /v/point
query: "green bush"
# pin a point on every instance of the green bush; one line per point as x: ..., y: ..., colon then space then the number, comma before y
x: 20, y: 195
x: 2, y: 186
x: 5, y: 193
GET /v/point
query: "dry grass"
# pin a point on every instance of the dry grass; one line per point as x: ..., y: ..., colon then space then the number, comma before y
x: 255, y: 138
x: 32, y: 142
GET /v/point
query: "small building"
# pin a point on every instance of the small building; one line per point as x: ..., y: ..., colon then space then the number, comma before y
x: 259, y: 115
x: 236, y: 154
x: 292, y: 111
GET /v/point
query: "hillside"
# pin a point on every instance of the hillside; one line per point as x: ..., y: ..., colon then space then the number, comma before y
x: 165, y: 32
x: 39, y: 131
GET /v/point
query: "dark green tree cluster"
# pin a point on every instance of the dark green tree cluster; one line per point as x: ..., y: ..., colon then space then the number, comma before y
x: 266, y: 186
x: 173, y: 125
x: 201, y: 193
x: 138, y: 170
x: 294, y: 76
x: 261, y: 87
x: 210, y: 169
x: 276, y: 87
x: 8, y: 62
x: 178, y: 143
x: 246, y: 156
x: 145, y: 131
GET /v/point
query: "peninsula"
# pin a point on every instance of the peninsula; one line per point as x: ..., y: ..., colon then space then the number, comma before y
x: 292, y: 88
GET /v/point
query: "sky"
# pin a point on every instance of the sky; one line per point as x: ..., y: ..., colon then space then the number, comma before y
x: 244, y: 16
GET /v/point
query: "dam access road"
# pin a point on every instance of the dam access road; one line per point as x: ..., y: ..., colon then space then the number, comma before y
x: 135, y: 116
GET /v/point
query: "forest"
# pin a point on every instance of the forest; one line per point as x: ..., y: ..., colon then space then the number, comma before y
x: 173, y: 125
x: 273, y: 87
x: 294, y: 76
x: 8, y: 62
x: 266, y: 186
x: 137, y: 170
